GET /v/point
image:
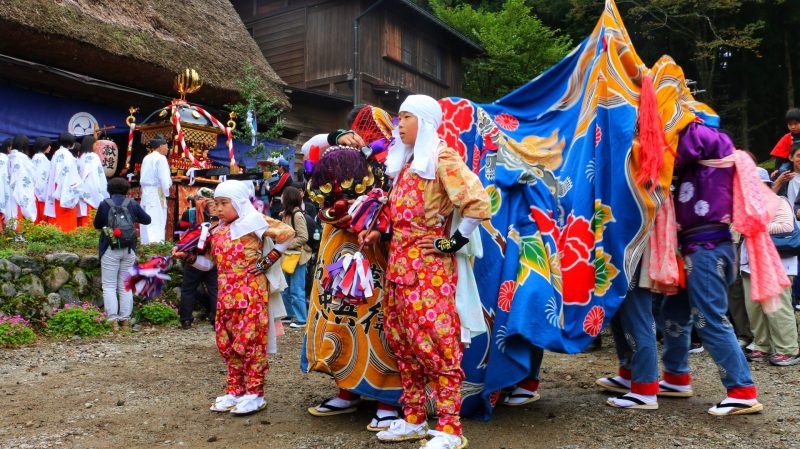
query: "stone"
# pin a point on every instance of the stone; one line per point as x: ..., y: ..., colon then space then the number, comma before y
x: 69, y: 296
x: 89, y: 262
x: 8, y: 290
x: 30, y: 263
x: 80, y: 281
x: 67, y: 260
x: 9, y: 270
x: 54, y: 301
x: 31, y: 285
x: 55, y: 278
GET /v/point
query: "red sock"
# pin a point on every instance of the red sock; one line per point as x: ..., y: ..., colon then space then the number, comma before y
x: 529, y: 384
x: 348, y: 395
x: 678, y: 379
x: 645, y: 388
x: 742, y: 392
x: 385, y: 406
x: 624, y: 373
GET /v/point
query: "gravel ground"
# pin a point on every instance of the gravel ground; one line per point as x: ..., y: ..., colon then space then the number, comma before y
x: 153, y: 389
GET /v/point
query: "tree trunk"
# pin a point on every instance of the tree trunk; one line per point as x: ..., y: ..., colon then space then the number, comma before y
x: 787, y: 57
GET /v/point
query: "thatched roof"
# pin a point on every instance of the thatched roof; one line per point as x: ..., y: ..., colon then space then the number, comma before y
x: 138, y: 43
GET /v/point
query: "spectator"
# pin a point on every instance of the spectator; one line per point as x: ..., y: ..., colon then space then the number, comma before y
x: 294, y: 297
x: 118, y: 252
x: 774, y: 334
x: 202, y: 210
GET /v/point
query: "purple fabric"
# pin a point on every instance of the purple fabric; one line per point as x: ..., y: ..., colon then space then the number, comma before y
x: 704, y: 195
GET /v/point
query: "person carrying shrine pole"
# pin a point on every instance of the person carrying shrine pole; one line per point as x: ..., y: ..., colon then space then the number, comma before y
x: 155, y: 181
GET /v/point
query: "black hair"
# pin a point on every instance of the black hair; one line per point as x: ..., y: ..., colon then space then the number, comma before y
x: 351, y: 117
x: 6, y: 146
x: 41, y: 144
x: 66, y: 140
x: 118, y: 186
x: 795, y: 148
x: 22, y: 143
x: 87, y: 144
x: 793, y: 114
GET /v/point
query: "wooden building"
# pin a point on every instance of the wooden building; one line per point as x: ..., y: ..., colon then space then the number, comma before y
x: 402, y: 49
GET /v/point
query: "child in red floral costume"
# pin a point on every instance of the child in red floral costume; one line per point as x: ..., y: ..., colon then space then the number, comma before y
x: 242, y: 312
x: 422, y: 325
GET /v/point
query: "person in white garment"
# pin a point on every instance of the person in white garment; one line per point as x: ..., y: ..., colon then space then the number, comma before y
x: 155, y: 181
x: 63, y: 186
x: 5, y: 188
x: 93, y: 180
x: 41, y: 170
x: 21, y: 174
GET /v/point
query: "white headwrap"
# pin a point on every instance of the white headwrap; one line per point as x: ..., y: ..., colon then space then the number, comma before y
x: 249, y: 219
x: 425, y: 149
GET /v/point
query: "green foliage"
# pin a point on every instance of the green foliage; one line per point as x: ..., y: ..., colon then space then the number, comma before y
x: 84, y: 320
x: 45, y: 238
x: 157, y: 313
x: 15, y: 331
x: 518, y: 46
x: 144, y: 252
x: 255, y: 97
x: 25, y: 305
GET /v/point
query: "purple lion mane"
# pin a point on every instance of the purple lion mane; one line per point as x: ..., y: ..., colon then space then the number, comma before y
x: 337, y: 165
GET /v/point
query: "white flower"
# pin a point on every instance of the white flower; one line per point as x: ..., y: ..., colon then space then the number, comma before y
x: 701, y: 208
x: 686, y: 192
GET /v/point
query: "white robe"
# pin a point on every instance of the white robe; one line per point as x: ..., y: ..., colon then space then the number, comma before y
x: 41, y: 171
x: 94, y: 184
x: 5, y: 187
x: 21, y: 181
x: 155, y: 181
x: 63, y: 182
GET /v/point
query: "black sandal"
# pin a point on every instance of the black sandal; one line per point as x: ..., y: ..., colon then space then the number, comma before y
x: 379, y: 420
x: 332, y: 409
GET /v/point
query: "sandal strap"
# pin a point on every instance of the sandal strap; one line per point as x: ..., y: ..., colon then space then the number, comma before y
x: 617, y: 383
x: 520, y: 396
x: 733, y: 405
x: 668, y: 388
x: 635, y: 400
x: 385, y: 418
x: 333, y: 408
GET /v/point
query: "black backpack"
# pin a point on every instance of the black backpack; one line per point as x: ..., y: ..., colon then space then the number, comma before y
x: 311, y: 227
x: 120, y: 217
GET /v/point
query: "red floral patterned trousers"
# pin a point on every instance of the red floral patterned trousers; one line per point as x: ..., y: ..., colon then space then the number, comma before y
x: 242, y: 341
x: 424, y: 332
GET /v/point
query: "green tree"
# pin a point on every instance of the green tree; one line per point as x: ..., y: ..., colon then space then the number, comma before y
x: 518, y: 45
x: 255, y: 99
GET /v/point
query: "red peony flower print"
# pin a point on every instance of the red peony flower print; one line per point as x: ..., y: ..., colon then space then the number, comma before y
x: 507, y: 121
x: 506, y: 295
x: 575, y: 245
x: 593, y: 323
x: 456, y: 119
x: 544, y: 220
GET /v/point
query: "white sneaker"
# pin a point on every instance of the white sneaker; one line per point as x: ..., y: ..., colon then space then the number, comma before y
x: 225, y: 403
x: 249, y: 403
x: 402, y: 430
x: 443, y: 440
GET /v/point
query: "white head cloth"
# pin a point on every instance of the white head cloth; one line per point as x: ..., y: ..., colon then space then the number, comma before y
x: 425, y: 149
x: 249, y: 219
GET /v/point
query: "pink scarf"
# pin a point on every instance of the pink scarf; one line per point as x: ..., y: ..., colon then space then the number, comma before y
x: 663, y: 262
x: 754, y: 205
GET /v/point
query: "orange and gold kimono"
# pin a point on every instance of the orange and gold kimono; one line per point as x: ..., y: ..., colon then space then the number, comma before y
x: 242, y: 315
x: 422, y: 325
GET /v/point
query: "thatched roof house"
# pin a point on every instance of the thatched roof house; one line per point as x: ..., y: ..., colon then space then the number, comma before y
x: 139, y: 44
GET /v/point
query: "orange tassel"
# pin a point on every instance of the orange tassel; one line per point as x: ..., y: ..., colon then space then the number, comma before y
x: 652, y: 140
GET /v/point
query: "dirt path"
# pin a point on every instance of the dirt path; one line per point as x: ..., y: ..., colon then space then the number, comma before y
x: 153, y: 389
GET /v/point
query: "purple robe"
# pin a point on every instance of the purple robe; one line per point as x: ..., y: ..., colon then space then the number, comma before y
x: 704, y: 195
